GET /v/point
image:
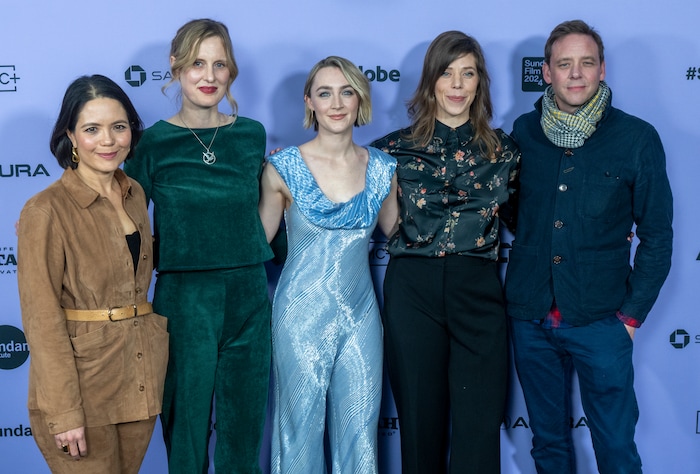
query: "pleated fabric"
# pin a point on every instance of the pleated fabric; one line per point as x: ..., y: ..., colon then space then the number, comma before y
x: 326, y: 329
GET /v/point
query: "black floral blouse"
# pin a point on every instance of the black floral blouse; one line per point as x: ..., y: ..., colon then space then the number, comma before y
x: 450, y: 193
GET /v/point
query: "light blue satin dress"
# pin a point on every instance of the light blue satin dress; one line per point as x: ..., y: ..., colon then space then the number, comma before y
x: 326, y: 329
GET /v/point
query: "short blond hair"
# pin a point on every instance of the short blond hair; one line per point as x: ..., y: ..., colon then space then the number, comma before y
x: 355, y: 78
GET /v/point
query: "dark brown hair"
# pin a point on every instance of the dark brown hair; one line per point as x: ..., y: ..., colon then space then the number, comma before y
x: 422, y: 107
x: 80, y: 92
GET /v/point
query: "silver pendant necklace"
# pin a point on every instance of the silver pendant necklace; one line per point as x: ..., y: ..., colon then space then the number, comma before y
x: 208, y: 156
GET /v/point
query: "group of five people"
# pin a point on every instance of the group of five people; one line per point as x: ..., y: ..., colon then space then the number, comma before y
x: 572, y: 181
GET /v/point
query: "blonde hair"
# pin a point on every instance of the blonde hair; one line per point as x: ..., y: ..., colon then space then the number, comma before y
x: 355, y: 78
x: 185, y: 47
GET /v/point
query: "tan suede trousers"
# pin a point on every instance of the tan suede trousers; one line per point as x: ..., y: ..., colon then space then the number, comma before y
x: 112, y: 449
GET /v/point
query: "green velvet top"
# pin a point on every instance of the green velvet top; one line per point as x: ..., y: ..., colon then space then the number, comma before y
x: 205, y: 215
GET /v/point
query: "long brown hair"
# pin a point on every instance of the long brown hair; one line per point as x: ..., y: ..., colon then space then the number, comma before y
x: 422, y: 107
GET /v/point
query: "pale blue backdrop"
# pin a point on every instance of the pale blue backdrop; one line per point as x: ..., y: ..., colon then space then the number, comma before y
x: 652, y: 52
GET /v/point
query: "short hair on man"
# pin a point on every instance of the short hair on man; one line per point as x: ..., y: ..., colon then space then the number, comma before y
x: 572, y: 27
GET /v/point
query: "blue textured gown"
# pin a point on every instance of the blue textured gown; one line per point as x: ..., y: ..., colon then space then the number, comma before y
x: 326, y: 330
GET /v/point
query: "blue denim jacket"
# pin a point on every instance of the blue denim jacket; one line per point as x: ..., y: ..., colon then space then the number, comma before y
x: 576, y: 210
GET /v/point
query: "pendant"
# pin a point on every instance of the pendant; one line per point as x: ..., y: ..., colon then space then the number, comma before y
x: 209, y: 157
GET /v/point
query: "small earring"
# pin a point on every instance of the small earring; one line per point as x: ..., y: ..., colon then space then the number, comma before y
x: 75, y: 158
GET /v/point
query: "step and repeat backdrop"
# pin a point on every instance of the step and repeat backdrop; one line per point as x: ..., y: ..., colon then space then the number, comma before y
x: 653, y: 67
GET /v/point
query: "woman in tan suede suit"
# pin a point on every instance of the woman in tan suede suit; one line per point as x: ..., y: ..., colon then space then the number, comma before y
x: 98, y: 352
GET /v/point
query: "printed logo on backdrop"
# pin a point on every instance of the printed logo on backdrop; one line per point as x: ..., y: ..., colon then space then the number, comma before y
x: 512, y: 423
x: 136, y: 76
x: 378, y: 253
x: 532, y: 80
x: 379, y: 74
x: 22, y: 170
x: 14, y: 349
x: 692, y: 73
x: 8, y: 261
x: 8, y: 78
x: 15, y: 431
x: 680, y: 338
x: 388, y: 426
x: 697, y: 422
x: 504, y: 252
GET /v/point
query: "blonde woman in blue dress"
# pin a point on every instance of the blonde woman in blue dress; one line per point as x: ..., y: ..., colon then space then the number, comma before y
x: 326, y: 329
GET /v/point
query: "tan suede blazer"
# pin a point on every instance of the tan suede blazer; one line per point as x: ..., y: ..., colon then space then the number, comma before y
x: 72, y: 253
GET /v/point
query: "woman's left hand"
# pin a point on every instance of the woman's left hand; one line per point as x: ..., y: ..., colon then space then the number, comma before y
x: 72, y: 442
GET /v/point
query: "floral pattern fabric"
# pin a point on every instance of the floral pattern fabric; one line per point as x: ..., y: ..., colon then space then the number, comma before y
x: 449, y: 192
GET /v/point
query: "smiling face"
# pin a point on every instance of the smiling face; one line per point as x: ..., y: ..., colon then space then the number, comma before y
x: 205, y: 82
x: 333, y: 100
x: 455, y: 91
x: 574, y: 71
x: 102, y: 136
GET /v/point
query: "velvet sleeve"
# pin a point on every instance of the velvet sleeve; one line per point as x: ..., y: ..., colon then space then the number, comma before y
x: 137, y: 168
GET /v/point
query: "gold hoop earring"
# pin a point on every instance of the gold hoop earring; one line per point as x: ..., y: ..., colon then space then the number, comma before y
x: 75, y: 158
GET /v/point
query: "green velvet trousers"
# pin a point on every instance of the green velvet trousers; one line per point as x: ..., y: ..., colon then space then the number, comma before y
x: 219, y: 324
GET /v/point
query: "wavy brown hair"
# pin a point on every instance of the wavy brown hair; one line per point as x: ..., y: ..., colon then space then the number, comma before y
x: 422, y: 107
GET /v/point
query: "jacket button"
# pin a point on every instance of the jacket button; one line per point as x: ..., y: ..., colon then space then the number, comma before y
x: 563, y: 187
x: 557, y: 259
x: 558, y: 224
x: 569, y: 152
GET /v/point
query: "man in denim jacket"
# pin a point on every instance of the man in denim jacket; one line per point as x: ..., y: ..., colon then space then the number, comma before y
x: 590, y: 172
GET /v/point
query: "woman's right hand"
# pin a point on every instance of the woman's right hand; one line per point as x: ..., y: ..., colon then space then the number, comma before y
x: 74, y: 440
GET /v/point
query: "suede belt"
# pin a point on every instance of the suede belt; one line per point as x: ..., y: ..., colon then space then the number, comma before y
x: 111, y: 314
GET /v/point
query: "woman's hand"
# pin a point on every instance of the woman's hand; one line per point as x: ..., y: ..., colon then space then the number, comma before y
x: 72, y: 442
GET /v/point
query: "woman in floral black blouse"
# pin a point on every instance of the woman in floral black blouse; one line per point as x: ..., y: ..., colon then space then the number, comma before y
x: 444, y: 316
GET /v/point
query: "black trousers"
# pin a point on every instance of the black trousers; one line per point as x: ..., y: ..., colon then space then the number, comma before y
x: 446, y: 348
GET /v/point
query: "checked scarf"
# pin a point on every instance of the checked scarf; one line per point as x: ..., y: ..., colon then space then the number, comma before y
x: 571, y: 130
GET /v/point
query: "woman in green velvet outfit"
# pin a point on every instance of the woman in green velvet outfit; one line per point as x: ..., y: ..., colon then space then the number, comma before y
x: 201, y: 169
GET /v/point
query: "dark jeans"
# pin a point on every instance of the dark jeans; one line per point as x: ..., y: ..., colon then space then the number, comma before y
x: 601, y: 354
x: 445, y: 336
